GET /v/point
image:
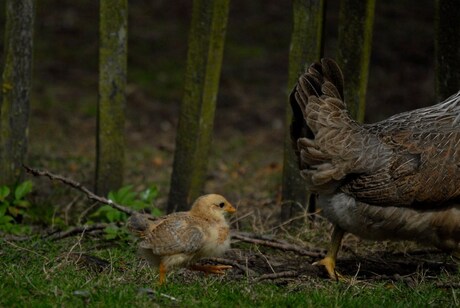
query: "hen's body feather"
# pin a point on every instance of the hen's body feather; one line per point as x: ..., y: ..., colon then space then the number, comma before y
x: 395, y: 179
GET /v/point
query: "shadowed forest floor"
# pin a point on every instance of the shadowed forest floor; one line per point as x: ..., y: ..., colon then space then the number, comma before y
x: 245, y: 163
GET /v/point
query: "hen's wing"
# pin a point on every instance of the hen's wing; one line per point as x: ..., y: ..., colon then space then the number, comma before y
x: 409, y: 159
x: 173, y: 234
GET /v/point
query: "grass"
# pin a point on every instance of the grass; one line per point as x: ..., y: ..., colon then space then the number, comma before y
x: 48, y: 274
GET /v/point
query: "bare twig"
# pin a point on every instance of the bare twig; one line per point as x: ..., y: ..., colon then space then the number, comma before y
x: 86, y: 212
x: 80, y: 187
x: 448, y: 285
x: 285, y: 274
x: 14, y: 238
x: 67, y: 209
x: 278, y: 245
x: 26, y: 249
x: 266, y: 260
x: 76, y: 230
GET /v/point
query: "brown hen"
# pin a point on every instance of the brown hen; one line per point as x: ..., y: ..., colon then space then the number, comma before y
x: 181, y: 239
x: 397, y: 179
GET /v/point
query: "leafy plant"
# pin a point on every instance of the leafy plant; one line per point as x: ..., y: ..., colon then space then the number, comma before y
x: 126, y: 196
x: 13, y: 207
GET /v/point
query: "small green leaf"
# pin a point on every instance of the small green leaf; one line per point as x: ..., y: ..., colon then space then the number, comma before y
x: 112, y: 196
x: 4, y: 192
x: 112, y: 216
x: 14, y: 211
x: 22, y: 190
x: 19, y: 229
x: 149, y: 194
x: 3, y: 208
x: 156, y: 212
x: 124, y: 195
x: 5, y: 219
x: 111, y: 229
x: 111, y: 232
x: 21, y: 203
x: 139, y: 205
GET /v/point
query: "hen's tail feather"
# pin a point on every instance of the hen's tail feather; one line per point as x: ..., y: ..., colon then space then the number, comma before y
x: 333, y: 73
x: 313, y: 84
x: 326, y: 153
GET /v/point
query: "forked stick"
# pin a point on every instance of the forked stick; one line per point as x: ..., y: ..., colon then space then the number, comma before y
x: 80, y: 187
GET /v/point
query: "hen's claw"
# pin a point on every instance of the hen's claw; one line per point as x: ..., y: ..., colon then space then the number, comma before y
x: 329, y: 264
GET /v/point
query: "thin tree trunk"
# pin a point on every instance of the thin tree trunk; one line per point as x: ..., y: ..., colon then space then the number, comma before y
x: 306, y: 47
x: 447, y: 46
x: 16, y: 87
x: 356, y: 22
x: 111, y: 106
x: 204, y: 60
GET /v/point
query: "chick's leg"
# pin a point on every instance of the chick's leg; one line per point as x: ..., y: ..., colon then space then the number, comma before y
x: 211, y: 269
x: 329, y: 261
x: 162, y: 271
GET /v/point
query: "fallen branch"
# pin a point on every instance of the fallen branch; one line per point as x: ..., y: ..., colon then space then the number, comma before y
x: 448, y: 285
x: 285, y: 274
x: 14, y: 238
x: 278, y: 245
x: 80, y: 187
x: 76, y: 230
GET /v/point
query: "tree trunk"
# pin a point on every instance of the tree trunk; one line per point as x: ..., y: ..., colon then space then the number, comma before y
x: 111, y: 106
x: 356, y: 21
x: 16, y: 87
x: 306, y: 47
x: 447, y: 46
x: 204, y: 60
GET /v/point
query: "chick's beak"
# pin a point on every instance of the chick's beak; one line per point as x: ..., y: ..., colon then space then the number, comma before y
x: 229, y: 208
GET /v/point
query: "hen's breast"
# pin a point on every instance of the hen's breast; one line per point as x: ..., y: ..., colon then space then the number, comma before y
x: 438, y: 227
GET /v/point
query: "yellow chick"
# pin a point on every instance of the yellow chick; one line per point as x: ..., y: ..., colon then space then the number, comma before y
x: 181, y: 239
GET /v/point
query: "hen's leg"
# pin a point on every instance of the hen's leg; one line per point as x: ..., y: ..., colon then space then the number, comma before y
x: 329, y: 261
x: 211, y: 269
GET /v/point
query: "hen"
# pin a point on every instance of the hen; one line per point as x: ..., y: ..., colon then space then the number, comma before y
x: 397, y: 179
x: 180, y: 239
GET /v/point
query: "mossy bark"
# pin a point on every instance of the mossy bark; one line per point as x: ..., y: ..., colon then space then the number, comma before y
x: 447, y: 46
x: 204, y: 60
x: 16, y: 87
x: 356, y: 22
x: 111, y: 105
x: 306, y: 47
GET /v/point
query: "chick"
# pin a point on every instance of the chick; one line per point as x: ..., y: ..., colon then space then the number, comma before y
x: 181, y: 239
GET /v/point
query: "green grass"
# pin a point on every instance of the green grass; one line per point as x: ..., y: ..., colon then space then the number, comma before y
x: 42, y: 274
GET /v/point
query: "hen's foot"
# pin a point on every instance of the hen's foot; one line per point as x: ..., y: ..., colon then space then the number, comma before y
x: 329, y: 264
x: 211, y: 269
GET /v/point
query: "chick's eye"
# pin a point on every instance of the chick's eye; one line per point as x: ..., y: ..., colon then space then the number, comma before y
x: 221, y: 205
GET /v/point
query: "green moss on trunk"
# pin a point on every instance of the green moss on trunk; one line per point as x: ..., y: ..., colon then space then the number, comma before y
x: 111, y: 106
x: 16, y: 86
x: 356, y: 22
x: 306, y: 47
x: 447, y: 46
x: 204, y: 60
